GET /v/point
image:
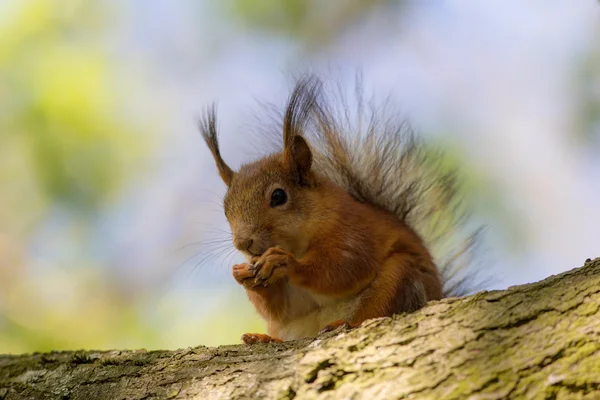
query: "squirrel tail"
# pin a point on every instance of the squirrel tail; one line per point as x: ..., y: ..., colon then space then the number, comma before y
x: 374, y: 154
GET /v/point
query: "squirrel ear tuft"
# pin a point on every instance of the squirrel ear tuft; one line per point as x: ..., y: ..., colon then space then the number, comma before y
x: 208, y: 129
x: 298, y: 157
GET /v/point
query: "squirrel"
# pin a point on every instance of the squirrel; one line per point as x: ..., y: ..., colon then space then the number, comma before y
x: 328, y: 223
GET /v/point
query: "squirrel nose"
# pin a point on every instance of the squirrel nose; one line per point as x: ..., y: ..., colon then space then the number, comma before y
x: 243, y: 244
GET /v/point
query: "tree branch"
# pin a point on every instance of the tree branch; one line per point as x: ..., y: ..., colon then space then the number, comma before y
x: 538, y: 340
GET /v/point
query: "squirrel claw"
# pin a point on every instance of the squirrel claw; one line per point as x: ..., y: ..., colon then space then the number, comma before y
x: 334, y: 325
x: 260, y: 282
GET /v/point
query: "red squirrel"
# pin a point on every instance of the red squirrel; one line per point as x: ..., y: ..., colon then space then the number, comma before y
x: 325, y: 223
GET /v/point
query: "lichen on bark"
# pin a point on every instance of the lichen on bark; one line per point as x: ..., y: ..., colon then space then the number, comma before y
x: 540, y: 340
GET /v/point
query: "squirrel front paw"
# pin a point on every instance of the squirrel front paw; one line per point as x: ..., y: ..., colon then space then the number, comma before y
x: 272, y: 266
x: 244, y: 274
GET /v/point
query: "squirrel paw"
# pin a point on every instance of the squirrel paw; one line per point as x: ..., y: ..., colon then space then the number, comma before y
x: 272, y: 266
x: 336, y: 324
x: 251, y: 338
x: 244, y: 274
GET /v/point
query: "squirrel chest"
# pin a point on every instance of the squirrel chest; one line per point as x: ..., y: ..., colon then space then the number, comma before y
x: 306, y: 313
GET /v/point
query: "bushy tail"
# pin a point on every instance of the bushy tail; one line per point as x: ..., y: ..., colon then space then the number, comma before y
x: 374, y: 154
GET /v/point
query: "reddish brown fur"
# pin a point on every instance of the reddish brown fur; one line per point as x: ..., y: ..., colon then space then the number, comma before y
x: 320, y: 250
x: 389, y: 262
x: 330, y: 244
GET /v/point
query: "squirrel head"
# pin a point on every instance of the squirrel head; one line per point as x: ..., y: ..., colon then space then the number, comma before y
x: 268, y: 202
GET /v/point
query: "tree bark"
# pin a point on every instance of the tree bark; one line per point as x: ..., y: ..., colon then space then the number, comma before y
x: 540, y: 340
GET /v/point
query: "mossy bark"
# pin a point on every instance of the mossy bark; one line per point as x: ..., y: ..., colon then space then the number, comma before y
x: 540, y: 340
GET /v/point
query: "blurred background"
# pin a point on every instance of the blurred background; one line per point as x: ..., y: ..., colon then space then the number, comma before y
x: 111, y: 228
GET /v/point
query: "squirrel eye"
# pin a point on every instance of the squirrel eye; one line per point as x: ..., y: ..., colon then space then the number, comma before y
x: 278, y: 197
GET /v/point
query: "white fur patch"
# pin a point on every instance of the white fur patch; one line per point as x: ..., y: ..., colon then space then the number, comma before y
x: 307, y: 313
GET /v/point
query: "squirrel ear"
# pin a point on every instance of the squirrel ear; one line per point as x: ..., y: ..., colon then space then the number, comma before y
x: 208, y: 128
x: 298, y: 156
